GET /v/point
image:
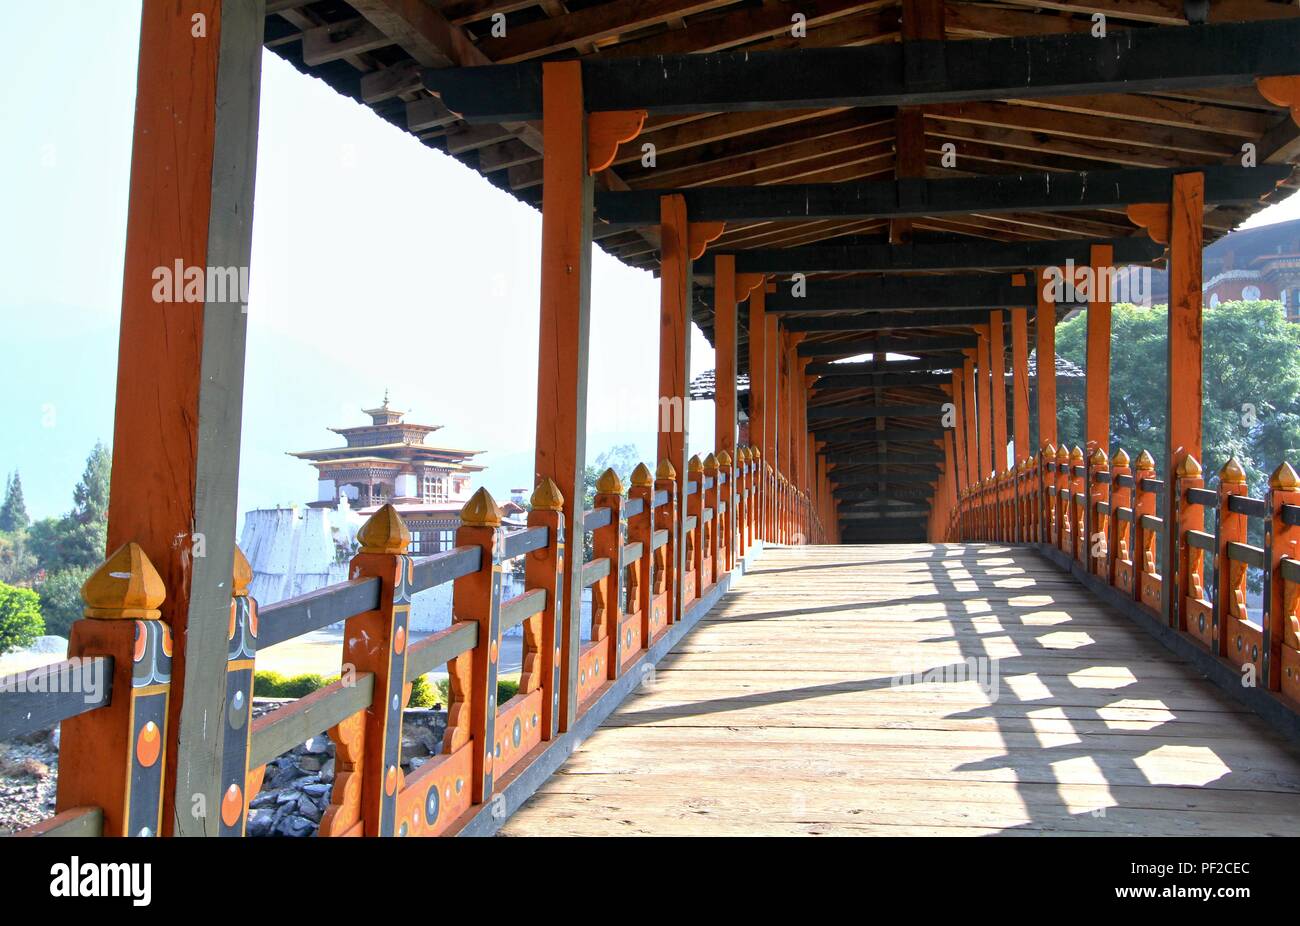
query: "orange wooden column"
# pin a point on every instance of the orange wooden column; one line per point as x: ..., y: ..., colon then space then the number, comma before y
x: 176, y: 435
x: 1183, y: 411
x: 564, y: 323
x: 972, y: 420
x: 674, y: 355
x: 1020, y: 382
x: 1096, y: 432
x: 1045, y: 353
x: 724, y: 378
x: 998, y: 383
x: 984, y: 403
x: 959, y: 431
x: 759, y: 416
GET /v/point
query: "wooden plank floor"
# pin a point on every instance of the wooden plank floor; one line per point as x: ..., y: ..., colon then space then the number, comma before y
x: 779, y: 715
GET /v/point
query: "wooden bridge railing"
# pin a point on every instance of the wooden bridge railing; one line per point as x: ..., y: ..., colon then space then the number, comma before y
x: 1111, y: 521
x: 114, y: 744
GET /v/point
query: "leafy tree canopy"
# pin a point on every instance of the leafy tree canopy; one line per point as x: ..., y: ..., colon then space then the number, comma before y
x: 13, y: 511
x: 20, y: 617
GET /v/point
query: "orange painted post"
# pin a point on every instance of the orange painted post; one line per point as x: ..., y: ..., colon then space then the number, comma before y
x: 1235, y: 637
x: 175, y: 472
x: 668, y: 519
x: 998, y: 382
x: 713, y: 527
x: 727, y: 502
x: 113, y: 757
x: 1045, y: 362
x: 971, y: 414
x: 1079, y: 501
x: 1064, y: 518
x: 607, y: 593
x: 1097, y: 361
x: 674, y: 343
x: 1020, y: 382
x: 1184, y: 400
x: 695, y: 548
x: 375, y: 642
x: 1099, y: 494
x: 777, y: 411
x: 564, y: 324
x: 544, y: 569
x: 1121, y: 497
x: 241, y: 782
x: 1186, y: 518
x: 651, y: 598
x: 724, y: 379
x: 984, y: 403
x: 1146, y: 548
x: 760, y: 411
x: 1280, y: 622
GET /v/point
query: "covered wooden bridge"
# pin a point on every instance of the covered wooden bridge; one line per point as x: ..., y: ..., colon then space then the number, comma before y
x: 860, y: 612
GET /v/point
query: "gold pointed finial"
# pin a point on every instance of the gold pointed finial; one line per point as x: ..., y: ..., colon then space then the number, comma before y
x: 481, y: 510
x: 1063, y: 454
x: 125, y: 587
x: 724, y: 459
x: 756, y: 452
x: 1145, y: 462
x: 1189, y: 468
x: 1232, y: 474
x: 1049, y: 451
x: 243, y: 574
x: 710, y: 464
x: 1099, y: 457
x: 1020, y: 467
x: 547, y: 496
x: 1284, y: 479
x: 693, y: 465
x: 642, y: 477
x: 609, y: 483
x: 1076, y: 455
x: 1121, y: 458
x: 384, y: 532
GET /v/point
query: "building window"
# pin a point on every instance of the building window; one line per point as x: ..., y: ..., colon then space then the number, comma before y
x: 1250, y: 294
x: 435, y: 488
x: 1214, y: 301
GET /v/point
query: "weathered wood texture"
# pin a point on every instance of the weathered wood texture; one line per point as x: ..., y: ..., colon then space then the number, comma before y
x: 778, y: 715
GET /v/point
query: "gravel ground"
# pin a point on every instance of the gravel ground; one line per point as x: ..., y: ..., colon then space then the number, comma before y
x: 29, y: 770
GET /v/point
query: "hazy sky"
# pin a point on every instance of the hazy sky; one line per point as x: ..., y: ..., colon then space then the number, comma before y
x: 377, y: 264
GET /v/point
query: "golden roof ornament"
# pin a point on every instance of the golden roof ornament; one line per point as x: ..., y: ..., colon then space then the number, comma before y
x: 1145, y: 462
x: 724, y: 459
x: 1284, y: 479
x: 547, y: 496
x: 642, y: 477
x: 1189, y: 468
x: 693, y: 465
x: 1121, y: 458
x: 1076, y: 455
x: 481, y: 510
x: 665, y: 470
x: 384, y: 532
x: 609, y: 483
x: 1232, y: 474
x: 125, y: 587
x: 1099, y: 457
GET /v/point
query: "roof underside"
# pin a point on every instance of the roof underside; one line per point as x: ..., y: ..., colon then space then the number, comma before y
x: 373, y: 51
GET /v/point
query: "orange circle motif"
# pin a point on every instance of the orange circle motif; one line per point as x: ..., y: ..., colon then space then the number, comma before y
x: 390, y: 780
x: 141, y: 639
x: 166, y: 640
x: 148, y: 744
x: 232, y: 805
x: 399, y: 640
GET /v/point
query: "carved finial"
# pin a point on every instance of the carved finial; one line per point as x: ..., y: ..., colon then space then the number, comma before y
x: 1020, y: 467
x: 724, y: 459
x: 1049, y: 451
x: 1145, y: 462
x: 710, y: 464
x: 1063, y: 454
x: 385, y: 532
x: 243, y: 574
x: 665, y: 470
x: 1076, y: 455
x: 481, y: 510
x: 1232, y: 474
x: 609, y: 483
x: 693, y: 465
x: 1284, y: 479
x: 1099, y: 457
x: 547, y: 496
x: 125, y: 587
x: 1189, y: 468
x: 1121, y: 458
x: 756, y: 452
x: 642, y: 477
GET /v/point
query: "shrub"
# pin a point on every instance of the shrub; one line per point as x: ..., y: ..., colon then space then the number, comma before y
x: 422, y: 693
x: 20, y: 617
x: 61, y: 601
x: 275, y: 685
x: 507, y: 688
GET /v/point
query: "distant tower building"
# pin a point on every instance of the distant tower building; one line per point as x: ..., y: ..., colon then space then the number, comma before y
x: 389, y: 461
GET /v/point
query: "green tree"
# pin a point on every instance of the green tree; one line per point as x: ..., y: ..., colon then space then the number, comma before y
x: 43, y: 539
x: 61, y: 601
x: 20, y: 618
x: 17, y: 562
x: 13, y: 512
x: 1251, y: 375
x: 85, y: 529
